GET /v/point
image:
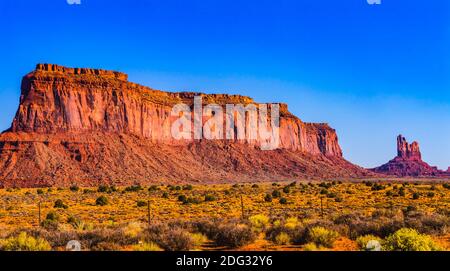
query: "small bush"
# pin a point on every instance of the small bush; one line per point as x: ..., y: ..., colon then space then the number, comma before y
x: 276, y: 194
x: 24, y: 242
x: 198, y: 239
x: 282, y: 239
x: 182, y: 198
x: 141, y: 203
x: 40, y: 191
x: 134, y: 188
x: 60, y: 204
x: 231, y: 235
x: 153, y: 188
x: 209, y: 197
x: 410, y: 240
x: 74, y: 188
x: 310, y: 247
x: 286, y: 189
x: 291, y: 223
x: 322, y: 237
x: 416, y: 196
x: 268, y: 198
x: 188, y: 187
x: 259, y: 222
x: 165, y: 195
x: 144, y: 246
x: 101, y: 201
x: 283, y: 201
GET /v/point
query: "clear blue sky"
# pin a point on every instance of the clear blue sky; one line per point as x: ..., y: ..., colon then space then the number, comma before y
x: 372, y: 72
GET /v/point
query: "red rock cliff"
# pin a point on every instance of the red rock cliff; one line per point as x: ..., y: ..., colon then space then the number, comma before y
x: 89, y: 126
x: 58, y: 99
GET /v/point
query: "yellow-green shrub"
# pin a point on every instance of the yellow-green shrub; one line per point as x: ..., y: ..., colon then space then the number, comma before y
x: 282, y: 239
x: 259, y: 222
x: 146, y: 247
x: 410, y: 240
x: 24, y: 242
x: 322, y: 237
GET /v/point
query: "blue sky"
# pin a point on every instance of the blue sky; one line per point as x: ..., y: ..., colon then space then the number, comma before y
x: 371, y: 71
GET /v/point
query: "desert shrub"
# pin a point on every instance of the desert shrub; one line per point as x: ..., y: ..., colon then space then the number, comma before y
x: 182, y: 198
x: 378, y: 187
x: 198, y: 239
x: 40, y: 191
x: 99, y: 239
x: 132, y: 229
x: 401, y: 192
x: 228, y: 234
x: 141, y: 203
x: 427, y: 223
x: 60, y: 204
x: 101, y: 201
x: 363, y: 240
x: 446, y: 185
x: 283, y: 201
x: 209, y: 197
x: 409, y: 240
x: 258, y: 222
x: 291, y: 223
x: 324, y: 191
x: 133, y: 188
x: 74, y: 188
x: 431, y: 194
x: 286, y: 189
x: 322, y: 236
x: 268, y: 198
x: 106, y: 246
x: 188, y: 187
x: 54, y: 237
x: 255, y: 186
x: 106, y: 189
x: 282, y: 239
x: 416, y: 196
x: 311, y: 247
x: 169, y: 236
x: 276, y: 194
x: 153, y: 188
x: 24, y: 242
x: 144, y: 246
x: 51, y: 221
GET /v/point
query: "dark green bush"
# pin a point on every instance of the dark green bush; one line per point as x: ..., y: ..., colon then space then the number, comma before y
x: 60, y: 204
x: 268, y: 198
x: 101, y: 201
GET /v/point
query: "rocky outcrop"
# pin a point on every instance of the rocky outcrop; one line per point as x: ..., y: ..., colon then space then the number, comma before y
x: 90, y: 125
x: 408, y: 162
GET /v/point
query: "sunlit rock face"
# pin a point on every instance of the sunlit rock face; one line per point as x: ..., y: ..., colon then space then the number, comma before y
x: 92, y: 126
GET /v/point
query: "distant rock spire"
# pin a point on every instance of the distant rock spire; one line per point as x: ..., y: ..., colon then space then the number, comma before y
x: 408, y: 151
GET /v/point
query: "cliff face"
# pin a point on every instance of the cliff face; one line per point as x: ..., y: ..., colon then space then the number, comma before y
x: 71, y: 120
x: 408, y: 162
x: 57, y: 99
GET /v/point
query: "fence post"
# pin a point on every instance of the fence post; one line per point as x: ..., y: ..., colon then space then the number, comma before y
x: 39, y: 213
x: 321, y: 207
x: 242, y: 208
x: 148, y: 213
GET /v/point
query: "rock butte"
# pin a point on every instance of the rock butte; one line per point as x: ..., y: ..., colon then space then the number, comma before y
x: 90, y: 126
x: 408, y: 162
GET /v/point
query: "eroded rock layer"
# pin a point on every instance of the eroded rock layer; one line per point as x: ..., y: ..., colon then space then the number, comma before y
x: 89, y: 126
